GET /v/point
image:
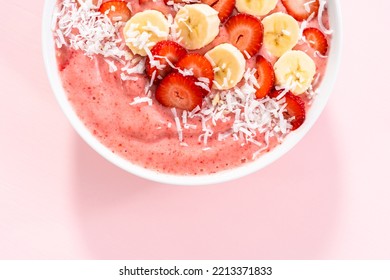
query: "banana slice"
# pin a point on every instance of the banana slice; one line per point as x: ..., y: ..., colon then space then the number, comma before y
x: 228, y: 64
x: 295, y: 71
x: 144, y: 30
x: 197, y: 24
x: 256, y: 7
x: 281, y: 33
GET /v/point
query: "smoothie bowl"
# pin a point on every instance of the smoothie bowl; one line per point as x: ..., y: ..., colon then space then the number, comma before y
x: 192, y: 92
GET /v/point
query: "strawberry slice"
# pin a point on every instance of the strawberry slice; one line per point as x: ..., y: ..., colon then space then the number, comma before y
x: 116, y: 10
x: 245, y: 33
x: 301, y: 9
x: 179, y: 91
x: 295, y: 108
x: 199, y: 65
x: 164, y: 50
x: 316, y: 40
x: 265, y: 77
x: 223, y: 7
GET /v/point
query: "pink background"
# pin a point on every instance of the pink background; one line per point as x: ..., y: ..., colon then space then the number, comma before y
x: 329, y: 198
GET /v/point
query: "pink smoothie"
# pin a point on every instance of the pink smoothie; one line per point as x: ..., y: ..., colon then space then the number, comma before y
x: 147, y: 135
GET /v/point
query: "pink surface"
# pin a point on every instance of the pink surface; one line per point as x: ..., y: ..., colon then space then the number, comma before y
x: 327, y: 198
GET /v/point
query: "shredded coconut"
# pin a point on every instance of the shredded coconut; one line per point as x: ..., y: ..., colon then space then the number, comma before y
x: 307, y: 5
x: 138, y: 100
x: 83, y: 28
x: 318, y: 54
x: 252, y: 117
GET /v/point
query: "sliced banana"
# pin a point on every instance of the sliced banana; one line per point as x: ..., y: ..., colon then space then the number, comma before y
x: 295, y: 71
x: 197, y: 24
x: 256, y: 7
x: 281, y: 33
x: 228, y: 64
x: 144, y: 30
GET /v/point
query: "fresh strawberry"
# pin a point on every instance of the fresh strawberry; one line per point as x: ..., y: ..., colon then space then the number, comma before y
x: 295, y: 108
x: 301, y: 9
x: 179, y: 91
x: 224, y: 7
x: 116, y: 10
x: 201, y: 67
x: 265, y: 77
x: 167, y: 50
x: 316, y: 40
x: 245, y: 33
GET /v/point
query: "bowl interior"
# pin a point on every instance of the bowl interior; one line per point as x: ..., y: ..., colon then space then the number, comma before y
x: 291, y: 140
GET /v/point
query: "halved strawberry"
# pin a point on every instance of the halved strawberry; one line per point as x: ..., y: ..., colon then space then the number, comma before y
x: 179, y: 91
x: 301, y: 9
x: 245, y: 33
x: 164, y: 50
x: 295, y: 108
x: 316, y: 40
x: 200, y: 66
x: 265, y: 77
x: 116, y: 10
x: 224, y: 7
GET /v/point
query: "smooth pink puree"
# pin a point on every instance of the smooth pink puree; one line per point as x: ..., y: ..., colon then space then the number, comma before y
x: 147, y: 135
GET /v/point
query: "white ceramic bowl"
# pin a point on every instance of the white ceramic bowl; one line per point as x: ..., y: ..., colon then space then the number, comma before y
x: 223, y: 176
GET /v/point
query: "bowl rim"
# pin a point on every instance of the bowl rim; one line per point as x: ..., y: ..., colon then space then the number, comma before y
x: 326, y: 87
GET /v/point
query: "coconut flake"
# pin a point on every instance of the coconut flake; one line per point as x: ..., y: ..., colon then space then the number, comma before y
x: 178, y: 124
x: 318, y: 54
x: 83, y: 28
x: 139, y: 100
x: 307, y: 5
x: 247, y: 54
x: 150, y: 27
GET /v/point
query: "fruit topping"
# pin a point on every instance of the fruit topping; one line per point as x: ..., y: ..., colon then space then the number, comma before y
x: 116, y: 10
x: 265, y: 77
x: 144, y: 29
x: 245, y: 33
x: 295, y: 109
x: 316, y: 39
x: 197, y: 24
x: 281, y: 33
x: 179, y: 91
x: 200, y: 67
x: 256, y: 7
x: 228, y: 64
x: 301, y: 9
x: 165, y: 55
x: 295, y: 71
x: 223, y: 7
